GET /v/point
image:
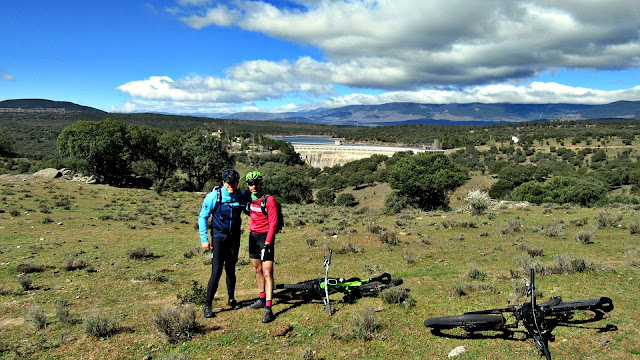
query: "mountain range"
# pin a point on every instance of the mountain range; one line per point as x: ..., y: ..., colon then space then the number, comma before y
x: 394, y: 113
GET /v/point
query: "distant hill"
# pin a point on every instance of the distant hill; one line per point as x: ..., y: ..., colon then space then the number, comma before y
x: 451, y: 114
x: 386, y: 114
x: 43, y: 105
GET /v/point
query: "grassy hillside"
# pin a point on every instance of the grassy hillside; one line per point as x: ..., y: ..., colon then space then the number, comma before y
x: 51, y: 226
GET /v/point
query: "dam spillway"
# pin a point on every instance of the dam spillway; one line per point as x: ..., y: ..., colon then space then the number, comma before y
x: 328, y: 155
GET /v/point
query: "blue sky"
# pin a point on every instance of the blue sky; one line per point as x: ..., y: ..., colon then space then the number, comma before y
x: 207, y: 56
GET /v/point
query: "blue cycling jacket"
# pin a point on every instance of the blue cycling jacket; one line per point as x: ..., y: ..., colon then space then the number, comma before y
x: 225, y: 215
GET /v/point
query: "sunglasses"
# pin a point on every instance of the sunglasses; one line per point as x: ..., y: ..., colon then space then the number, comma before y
x: 251, y: 183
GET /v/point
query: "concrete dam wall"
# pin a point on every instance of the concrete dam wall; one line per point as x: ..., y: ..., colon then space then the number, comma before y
x: 320, y: 156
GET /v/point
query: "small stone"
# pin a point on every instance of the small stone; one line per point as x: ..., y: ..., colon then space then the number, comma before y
x: 457, y: 351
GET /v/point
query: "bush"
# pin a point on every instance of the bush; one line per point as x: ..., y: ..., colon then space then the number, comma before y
x: 98, y: 325
x: 408, y: 257
x: 71, y: 265
x: 27, y: 268
x: 396, y: 295
x: 501, y: 189
x: 176, y: 323
x: 36, y: 317
x: 375, y: 228
x: 513, y: 226
x: 62, y: 311
x: 25, y: 282
x: 364, y: 321
x: 607, y: 219
x: 197, y: 295
x: 140, y: 253
x: 389, y: 237
x: 633, y: 254
x: 346, y: 199
x: 325, y: 197
x: 474, y: 273
x: 584, y: 237
x: 478, y: 201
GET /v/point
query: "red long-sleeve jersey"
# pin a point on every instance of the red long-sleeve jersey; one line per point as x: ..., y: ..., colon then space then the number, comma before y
x: 261, y: 224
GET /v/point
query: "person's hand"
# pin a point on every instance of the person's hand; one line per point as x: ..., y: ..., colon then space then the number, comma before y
x: 206, y: 246
x: 267, y: 249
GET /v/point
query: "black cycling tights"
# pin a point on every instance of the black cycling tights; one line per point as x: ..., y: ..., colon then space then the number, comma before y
x: 225, y: 254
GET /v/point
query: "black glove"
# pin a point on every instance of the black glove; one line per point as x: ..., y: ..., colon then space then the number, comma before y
x: 266, y: 251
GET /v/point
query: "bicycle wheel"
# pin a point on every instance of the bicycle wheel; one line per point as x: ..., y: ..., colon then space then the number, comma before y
x: 603, y: 304
x: 371, y: 286
x: 469, y: 322
x: 307, y: 285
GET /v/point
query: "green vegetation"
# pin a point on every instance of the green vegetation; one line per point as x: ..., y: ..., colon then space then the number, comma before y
x: 596, y: 254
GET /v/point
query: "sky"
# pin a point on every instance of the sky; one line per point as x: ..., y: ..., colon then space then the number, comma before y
x: 215, y: 57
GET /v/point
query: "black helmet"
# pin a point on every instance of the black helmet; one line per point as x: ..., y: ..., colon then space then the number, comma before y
x: 230, y: 176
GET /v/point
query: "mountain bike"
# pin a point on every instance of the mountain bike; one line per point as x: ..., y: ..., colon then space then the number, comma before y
x: 352, y: 288
x: 539, y: 320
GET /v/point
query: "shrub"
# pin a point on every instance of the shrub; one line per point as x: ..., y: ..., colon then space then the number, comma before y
x: 474, y: 273
x: 606, y: 219
x: 140, y: 253
x: 364, y: 321
x: 62, y: 311
x: 176, y: 323
x: 564, y: 264
x: 325, y: 197
x: 534, y: 251
x: 389, y: 237
x: 25, y: 282
x: 579, y: 222
x: 98, y: 325
x: 150, y: 276
x: 36, y: 317
x: 634, y: 228
x: 311, y: 241
x: 501, y: 189
x: 633, y: 254
x: 553, y: 230
x: 197, y: 295
x: 346, y: 199
x: 408, y: 257
x: 478, y: 201
x: 27, y: 268
x: 70, y: 265
x: 345, y: 248
x: 396, y: 295
x: 584, y: 237
x: 375, y: 228
x: 513, y: 226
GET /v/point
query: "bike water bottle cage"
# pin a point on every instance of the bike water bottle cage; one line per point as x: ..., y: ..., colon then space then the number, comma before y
x: 332, y: 282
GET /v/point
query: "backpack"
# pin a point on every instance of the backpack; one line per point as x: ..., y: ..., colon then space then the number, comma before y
x: 263, y: 207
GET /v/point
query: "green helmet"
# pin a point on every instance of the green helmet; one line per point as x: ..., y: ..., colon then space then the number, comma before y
x: 253, y: 176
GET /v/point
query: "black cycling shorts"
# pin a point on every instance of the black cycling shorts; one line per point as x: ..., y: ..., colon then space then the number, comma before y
x: 256, y: 242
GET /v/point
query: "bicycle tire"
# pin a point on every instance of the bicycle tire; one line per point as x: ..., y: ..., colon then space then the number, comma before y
x: 468, y: 322
x: 603, y: 304
x: 371, y: 286
x: 307, y: 285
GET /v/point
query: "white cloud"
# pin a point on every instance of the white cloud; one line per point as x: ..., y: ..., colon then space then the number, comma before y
x: 418, y: 43
x: 6, y: 76
x: 220, y: 16
x: 426, y: 51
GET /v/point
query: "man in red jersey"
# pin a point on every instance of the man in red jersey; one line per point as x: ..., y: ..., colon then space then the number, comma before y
x: 262, y: 225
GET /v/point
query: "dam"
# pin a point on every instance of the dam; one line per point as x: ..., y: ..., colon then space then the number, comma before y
x: 320, y: 151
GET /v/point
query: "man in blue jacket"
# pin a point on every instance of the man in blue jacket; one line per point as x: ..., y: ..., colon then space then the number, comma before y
x: 225, y: 205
